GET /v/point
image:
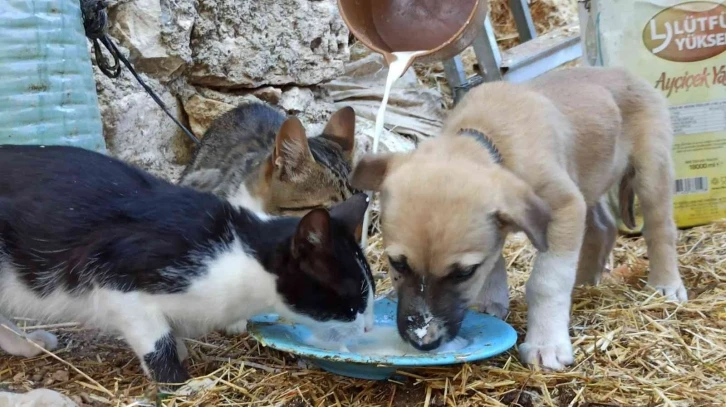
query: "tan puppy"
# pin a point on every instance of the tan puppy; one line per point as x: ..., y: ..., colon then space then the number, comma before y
x: 536, y: 157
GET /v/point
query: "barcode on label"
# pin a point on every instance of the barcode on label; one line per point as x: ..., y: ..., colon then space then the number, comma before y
x: 696, y: 185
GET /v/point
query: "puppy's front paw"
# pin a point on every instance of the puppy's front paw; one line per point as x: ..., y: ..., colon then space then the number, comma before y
x: 673, y: 292
x: 494, y: 295
x: 550, y: 356
x: 44, y: 339
x: 496, y: 309
x: 238, y: 328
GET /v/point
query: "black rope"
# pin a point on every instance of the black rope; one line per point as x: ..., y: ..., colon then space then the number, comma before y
x: 95, y: 23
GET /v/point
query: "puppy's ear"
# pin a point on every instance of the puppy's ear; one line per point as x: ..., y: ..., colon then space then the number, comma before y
x: 524, y: 211
x: 341, y: 129
x: 351, y: 213
x: 371, y: 170
x: 291, y: 152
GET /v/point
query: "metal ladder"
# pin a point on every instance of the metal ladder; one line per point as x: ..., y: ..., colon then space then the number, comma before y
x: 534, y: 55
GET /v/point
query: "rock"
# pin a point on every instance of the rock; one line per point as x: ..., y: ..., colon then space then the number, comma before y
x: 202, y: 111
x: 251, y: 43
x: 203, y: 105
x: 234, y: 99
x: 316, y: 114
x: 35, y: 398
x: 269, y: 94
x: 358, y: 51
x: 296, y: 100
x: 136, y: 129
x: 273, y: 51
x: 157, y: 34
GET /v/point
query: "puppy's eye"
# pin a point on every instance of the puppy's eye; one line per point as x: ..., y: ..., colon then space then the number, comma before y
x: 399, y: 264
x: 463, y: 274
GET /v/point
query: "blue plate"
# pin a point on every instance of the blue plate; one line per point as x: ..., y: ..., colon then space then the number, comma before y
x: 486, y: 336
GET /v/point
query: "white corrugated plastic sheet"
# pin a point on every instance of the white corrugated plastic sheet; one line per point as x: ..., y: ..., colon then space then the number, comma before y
x: 47, y: 90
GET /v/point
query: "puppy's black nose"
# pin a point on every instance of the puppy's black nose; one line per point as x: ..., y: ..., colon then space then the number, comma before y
x: 425, y: 346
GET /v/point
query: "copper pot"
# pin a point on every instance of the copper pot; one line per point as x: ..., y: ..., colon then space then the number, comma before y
x: 442, y: 28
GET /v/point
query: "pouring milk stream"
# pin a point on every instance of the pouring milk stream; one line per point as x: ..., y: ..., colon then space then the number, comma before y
x: 395, y: 70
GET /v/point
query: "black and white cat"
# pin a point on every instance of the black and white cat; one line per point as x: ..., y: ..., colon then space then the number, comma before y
x: 87, y: 238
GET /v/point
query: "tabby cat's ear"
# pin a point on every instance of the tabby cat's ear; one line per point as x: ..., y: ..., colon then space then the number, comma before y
x: 291, y: 151
x: 341, y: 129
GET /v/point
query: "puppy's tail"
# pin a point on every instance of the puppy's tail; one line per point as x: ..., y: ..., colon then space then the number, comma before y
x: 626, y: 198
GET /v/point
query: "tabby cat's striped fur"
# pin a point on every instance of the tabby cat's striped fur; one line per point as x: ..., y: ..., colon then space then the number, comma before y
x: 257, y: 157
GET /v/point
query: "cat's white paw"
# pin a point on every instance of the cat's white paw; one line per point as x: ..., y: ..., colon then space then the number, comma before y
x: 44, y: 339
x: 673, y: 292
x: 238, y: 328
x: 181, y: 349
x: 195, y: 386
x: 548, y: 355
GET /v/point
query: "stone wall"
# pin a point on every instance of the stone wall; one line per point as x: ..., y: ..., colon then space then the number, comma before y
x: 204, y: 57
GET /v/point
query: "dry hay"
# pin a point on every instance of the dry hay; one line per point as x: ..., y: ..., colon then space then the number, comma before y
x: 632, y: 349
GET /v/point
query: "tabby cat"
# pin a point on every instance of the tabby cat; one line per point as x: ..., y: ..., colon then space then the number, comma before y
x: 256, y: 157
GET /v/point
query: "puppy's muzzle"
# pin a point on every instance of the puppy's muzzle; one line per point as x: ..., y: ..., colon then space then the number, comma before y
x: 427, y: 322
x: 422, y: 331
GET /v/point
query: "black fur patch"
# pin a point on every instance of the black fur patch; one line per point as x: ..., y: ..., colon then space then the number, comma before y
x: 164, y: 364
x: 271, y: 244
x: 72, y: 220
x: 346, y: 258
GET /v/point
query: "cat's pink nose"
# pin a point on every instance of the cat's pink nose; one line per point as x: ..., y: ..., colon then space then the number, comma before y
x: 367, y: 329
